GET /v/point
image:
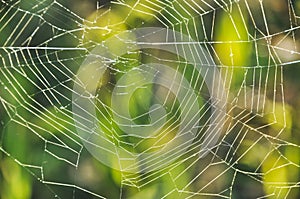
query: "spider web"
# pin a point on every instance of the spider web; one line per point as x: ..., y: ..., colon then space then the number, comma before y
x: 253, y: 44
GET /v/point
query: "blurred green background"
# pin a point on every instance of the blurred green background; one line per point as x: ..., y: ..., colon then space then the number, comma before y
x: 255, y: 45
